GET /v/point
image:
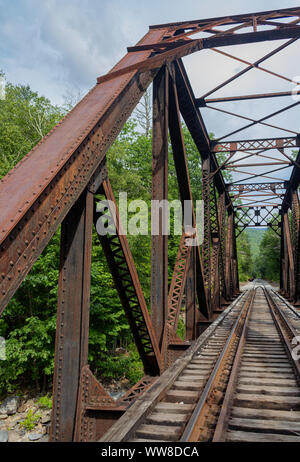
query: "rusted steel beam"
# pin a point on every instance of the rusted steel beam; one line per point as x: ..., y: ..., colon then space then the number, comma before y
x: 207, y: 227
x: 222, y: 232
x: 177, y: 286
x: 290, y: 255
x: 235, y: 19
x: 182, y: 172
x: 51, y: 178
x: 253, y: 145
x: 179, y: 39
x: 285, y: 258
x: 215, y: 250
x: 228, y: 257
x: 191, y: 312
x: 260, y: 205
x: 200, y: 102
x: 295, y: 222
x: 71, y: 346
x: 159, y: 254
x: 261, y: 164
x: 257, y: 186
x: 175, y: 297
x: 249, y: 154
x: 282, y: 258
x: 121, y: 264
x: 293, y: 184
x: 224, y: 38
x: 236, y: 284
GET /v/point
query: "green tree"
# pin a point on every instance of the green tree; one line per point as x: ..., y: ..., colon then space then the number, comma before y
x: 267, y: 264
x: 25, y: 117
x: 244, y: 257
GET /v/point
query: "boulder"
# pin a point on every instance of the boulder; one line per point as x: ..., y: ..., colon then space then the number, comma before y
x: 10, y: 405
x: 35, y: 436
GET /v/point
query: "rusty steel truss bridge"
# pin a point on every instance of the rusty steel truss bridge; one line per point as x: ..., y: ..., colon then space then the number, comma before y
x: 56, y: 183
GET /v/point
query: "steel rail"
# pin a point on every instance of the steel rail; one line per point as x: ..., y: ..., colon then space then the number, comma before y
x: 193, y: 429
x: 287, y: 304
x: 285, y: 329
x: 223, y: 416
x: 196, y: 426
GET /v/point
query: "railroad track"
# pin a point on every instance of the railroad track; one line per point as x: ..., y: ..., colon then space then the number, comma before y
x: 239, y: 382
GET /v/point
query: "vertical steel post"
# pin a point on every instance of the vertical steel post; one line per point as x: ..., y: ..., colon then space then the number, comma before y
x: 159, y: 256
x: 182, y: 172
x: 222, y: 232
x: 281, y: 256
x: 207, y: 227
x: 289, y: 248
x: 71, y: 348
x: 235, y: 261
x: 228, y: 253
x: 191, y: 312
x: 296, y: 248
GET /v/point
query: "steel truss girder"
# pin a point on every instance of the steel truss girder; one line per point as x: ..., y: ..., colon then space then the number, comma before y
x: 295, y: 225
x: 249, y: 187
x: 126, y: 280
x: 175, y: 297
x: 233, y: 19
x: 251, y: 217
x: 159, y: 242
x: 257, y: 144
x: 182, y: 171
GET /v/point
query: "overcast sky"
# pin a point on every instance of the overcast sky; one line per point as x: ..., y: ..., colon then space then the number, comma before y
x: 61, y: 46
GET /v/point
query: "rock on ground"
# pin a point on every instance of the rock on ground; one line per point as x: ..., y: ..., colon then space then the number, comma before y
x: 10, y: 405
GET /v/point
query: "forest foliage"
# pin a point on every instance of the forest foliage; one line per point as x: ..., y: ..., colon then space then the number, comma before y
x: 29, y: 321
